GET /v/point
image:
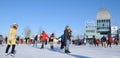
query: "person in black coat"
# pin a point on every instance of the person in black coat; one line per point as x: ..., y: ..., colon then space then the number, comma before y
x: 103, y: 40
x: 94, y: 40
x: 62, y: 41
x: 35, y: 40
x: 67, y: 35
x: 51, y: 40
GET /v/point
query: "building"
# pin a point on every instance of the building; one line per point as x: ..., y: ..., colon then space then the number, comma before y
x: 90, y: 31
x: 114, y: 31
x: 119, y: 34
x: 103, y: 22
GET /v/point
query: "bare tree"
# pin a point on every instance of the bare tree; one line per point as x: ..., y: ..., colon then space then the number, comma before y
x: 27, y: 31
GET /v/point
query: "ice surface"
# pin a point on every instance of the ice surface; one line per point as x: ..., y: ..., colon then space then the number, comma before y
x: 27, y: 51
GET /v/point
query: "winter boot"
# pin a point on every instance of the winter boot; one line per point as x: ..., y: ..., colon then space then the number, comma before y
x: 67, y: 51
x: 52, y: 47
x: 12, y: 55
x: 6, y: 54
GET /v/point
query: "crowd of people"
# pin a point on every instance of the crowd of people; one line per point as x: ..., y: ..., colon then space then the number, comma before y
x: 104, y: 41
x: 42, y: 38
x: 12, y: 39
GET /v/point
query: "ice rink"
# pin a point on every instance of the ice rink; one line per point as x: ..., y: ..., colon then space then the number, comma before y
x: 27, y: 51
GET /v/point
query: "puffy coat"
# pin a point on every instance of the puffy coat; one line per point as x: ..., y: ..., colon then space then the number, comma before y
x: 12, y: 36
x: 103, y: 39
x: 67, y: 35
x: 43, y: 36
x: 110, y: 39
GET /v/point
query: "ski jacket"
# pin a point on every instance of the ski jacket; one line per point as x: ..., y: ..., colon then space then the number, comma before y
x: 12, y: 36
x: 110, y: 39
x: 43, y: 36
x: 66, y: 35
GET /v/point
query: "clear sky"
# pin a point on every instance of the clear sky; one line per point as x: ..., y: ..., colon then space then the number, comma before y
x: 54, y: 15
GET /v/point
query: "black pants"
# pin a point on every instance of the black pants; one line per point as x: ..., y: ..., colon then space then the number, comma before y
x: 109, y: 44
x: 46, y: 42
x: 7, y: 49
x: 62, y: 45
x: 26, y: 41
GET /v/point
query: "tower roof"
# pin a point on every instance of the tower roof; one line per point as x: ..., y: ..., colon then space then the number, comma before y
x: 103, y: 14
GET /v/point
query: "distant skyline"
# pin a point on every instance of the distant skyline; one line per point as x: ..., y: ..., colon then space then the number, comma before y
x: 54, y: 15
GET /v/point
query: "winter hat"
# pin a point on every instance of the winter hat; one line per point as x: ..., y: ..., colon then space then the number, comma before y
x: 15, y: 25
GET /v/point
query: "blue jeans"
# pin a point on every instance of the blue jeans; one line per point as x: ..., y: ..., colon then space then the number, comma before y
x: 35, y: 43
x: 43, y: 43
x: 67, y: 45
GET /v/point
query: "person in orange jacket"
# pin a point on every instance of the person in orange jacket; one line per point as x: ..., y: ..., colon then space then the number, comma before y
x: 43, y: 39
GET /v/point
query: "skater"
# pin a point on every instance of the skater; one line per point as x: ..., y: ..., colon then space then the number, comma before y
x: 84, y: 41
x: 30, y: 41
x: 35, y: 40
x: 103, y: 40
x: 6, y: 39
x: 116, y: 41
x: 17, y: 40
x: 97, y: 42
x: 94, y: 39
x: 67, y: 35
x: 51, y: 40
x: 109, y: 41
x: 11, y: 41
x: 26, y: 39
x: 62, y: 41
x: 1, y: 39
x: 43, y: 38
x: 21, y: 40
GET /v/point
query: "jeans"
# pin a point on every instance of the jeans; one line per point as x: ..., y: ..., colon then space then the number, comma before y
x: 67, y: 45
x: 43, y: 43
x: 35, y: 43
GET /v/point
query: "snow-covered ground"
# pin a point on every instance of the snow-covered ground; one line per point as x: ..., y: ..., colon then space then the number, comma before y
x: 27, y: 51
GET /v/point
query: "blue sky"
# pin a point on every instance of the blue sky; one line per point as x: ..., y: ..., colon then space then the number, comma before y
x: 54, y: 15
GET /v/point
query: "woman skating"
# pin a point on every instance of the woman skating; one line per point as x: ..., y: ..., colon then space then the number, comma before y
x: 51, y: 40
x: 11, y: 41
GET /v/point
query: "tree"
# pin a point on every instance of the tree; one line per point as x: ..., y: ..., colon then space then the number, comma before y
x: 27, y: 31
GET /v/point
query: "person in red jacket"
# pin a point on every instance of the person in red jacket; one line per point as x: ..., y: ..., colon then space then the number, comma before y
x: 97, y: 42
x: 109, y: 41
x: 43, y: 38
